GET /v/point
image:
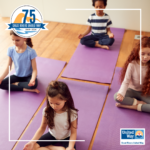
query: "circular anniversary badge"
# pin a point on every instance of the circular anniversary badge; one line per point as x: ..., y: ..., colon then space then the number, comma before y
x: 26, y: 21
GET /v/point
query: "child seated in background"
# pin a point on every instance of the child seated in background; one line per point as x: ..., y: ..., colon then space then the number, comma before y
x: 99, y: 23
x: 133, y: 95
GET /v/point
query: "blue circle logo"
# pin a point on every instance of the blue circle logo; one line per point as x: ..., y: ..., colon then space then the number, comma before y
x: 26, y: 21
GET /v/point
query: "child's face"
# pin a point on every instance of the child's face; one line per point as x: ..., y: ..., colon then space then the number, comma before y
x: 18, y: 41
x: 99, y: 5
x: 145, y: 53
x: 57, y: 102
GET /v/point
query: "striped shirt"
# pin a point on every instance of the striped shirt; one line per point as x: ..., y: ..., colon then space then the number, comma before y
x: 99, y: 24
x: 22, y: 61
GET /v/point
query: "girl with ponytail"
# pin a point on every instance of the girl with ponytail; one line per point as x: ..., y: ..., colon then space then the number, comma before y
x: 60, y: 116
x: 23, y: 57
x: 132, y: 94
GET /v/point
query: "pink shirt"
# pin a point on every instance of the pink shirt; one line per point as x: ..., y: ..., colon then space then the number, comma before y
x: 132, y: 78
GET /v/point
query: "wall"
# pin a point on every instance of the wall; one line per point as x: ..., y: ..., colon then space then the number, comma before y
x: 55, y: 10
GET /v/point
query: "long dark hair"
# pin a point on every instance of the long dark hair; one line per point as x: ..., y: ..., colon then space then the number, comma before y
x: 28, y: 40
x: 55, y: 88
x: 135, y: 56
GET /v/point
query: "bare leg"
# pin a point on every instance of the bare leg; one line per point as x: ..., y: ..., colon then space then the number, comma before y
x: 27, y: 90
x: 140, y: 102
x: 31, y: 90
x: 127, y: 106
x: 101, y: 46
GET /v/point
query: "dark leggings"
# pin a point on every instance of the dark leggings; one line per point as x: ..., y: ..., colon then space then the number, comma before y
x: 131, y: 95
x: 48, y: 136
x: 103, y: 39
x: 23, y: 83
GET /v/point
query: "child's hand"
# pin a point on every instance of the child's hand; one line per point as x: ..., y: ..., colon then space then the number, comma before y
x: 68, y: 148
x: 29, y: 146
x: 111, y: 35
x: 119, y: 97
x: 31, y: 83
x: 80, y: 36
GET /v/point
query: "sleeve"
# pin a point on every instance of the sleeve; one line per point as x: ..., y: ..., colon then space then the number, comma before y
x: 33, y: 54
x: 89, y: 21
x: 9, y: 52
x: 43, y: 113
x: 109, y: 23
x: 74, y: 115
x: 126, y: 81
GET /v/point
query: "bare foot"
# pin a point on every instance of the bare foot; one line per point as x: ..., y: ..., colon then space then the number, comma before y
x: 101, y: 46
x: 140, y: 102
x: 127, y: 106
x: 31, y: 90
x: 37, y: 91
x: 16, y: 83
x: 105, y: 47
x: 118, y: 104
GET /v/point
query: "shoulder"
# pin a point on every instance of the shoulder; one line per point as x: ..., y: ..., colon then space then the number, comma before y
x: 10, y: 50
x: 74, y: 115
x: 132, y: 65
x: 31, y: 52
x: 44, y: 114
x: 30, y: 49
x: 92, y: 15
x: 106, y: 16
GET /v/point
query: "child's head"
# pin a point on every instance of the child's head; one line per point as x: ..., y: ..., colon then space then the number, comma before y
x: 145, y: 55
x: 99, y: 4
x: 19, y: 41
x: 58, y: 99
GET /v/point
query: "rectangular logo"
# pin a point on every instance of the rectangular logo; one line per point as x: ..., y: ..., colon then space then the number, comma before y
x: 132, y: 136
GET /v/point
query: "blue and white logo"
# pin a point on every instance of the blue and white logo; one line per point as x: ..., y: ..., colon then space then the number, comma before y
x: 26, y: 21
x: 132, y: 136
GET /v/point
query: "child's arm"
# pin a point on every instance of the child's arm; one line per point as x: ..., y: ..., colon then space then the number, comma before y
x: 125, y: 83
x: 110, y: 34
x: 34, y: 73
x: 37, y: 135
x: 85, y: 33
x: 6, y: 70
x: 73, y: 135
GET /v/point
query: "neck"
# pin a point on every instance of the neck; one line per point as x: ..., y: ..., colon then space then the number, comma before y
x: 100, y: 15
x: 21, y: 48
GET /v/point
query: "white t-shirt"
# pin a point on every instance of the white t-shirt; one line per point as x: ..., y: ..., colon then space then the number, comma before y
x: 60, y: 130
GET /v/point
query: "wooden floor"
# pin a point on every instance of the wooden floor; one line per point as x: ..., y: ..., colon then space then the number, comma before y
x: 60, y: 42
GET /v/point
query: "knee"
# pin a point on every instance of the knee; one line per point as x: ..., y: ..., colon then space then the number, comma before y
x: 111, y: 41
x: 115, y: 97
x: 82, y: 41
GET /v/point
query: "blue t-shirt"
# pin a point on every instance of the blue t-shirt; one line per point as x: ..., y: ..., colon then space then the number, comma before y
x: 22, y: 61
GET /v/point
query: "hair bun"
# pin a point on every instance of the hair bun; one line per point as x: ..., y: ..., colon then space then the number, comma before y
x: 54, y: 84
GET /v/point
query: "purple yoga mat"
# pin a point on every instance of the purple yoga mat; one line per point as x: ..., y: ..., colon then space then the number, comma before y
x: 89, y: 99
x: 95, y: 64
x: 113, y: 118
x: 24, y: 104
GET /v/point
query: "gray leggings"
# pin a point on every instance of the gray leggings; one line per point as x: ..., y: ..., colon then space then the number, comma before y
x: 131, y: 95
